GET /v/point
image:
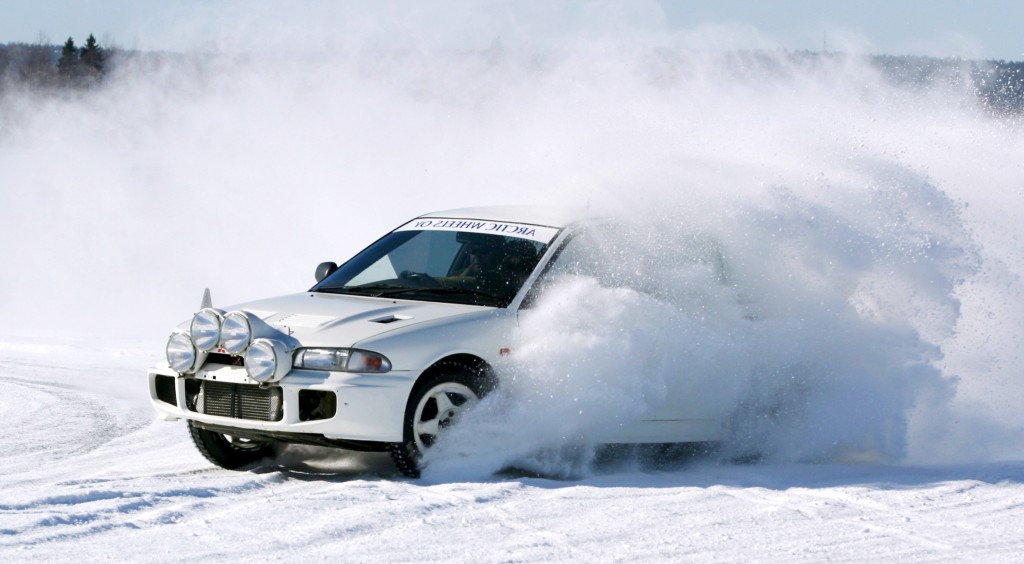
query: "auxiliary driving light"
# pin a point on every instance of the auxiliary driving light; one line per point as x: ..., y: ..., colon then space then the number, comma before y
x: 268, y: 360
x: 181, y: 354
x: 205, y: 329
x: 235, y: 332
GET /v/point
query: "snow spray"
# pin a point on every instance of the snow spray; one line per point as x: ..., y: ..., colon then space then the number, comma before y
x: 870, y: 230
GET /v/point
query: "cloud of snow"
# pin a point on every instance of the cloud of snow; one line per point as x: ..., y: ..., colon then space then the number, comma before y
x: 818, y: 337
x: 870, y: 231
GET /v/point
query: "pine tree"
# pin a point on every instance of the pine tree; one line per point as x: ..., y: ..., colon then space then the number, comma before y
x: 92, y: 55
x: 69, y: 62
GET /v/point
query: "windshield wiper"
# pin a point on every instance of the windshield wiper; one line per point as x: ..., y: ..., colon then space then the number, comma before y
x: 444, y: 290
x: 393, y: 291
x: 367, y: 290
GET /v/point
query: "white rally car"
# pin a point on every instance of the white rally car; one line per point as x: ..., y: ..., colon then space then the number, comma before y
x: 386, y: 350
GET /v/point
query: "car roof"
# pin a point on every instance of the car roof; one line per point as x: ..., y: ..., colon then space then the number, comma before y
x: 534, y: 215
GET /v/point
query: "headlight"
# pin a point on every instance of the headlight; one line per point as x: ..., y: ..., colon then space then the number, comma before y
x: 235, y: 333
x: 341, y: 360
x: 322, y: 359
x: 267, y: 360
x: 205, y: 329
x: 181, y: 355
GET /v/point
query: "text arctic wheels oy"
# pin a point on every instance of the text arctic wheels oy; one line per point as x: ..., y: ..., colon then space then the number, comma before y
x: 228, y: 451
x: 435, y: 404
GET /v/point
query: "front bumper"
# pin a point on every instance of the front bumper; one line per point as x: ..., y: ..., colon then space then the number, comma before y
x: 337, y: 406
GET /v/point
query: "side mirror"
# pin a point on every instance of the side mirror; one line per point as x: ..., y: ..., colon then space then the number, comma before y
x: 324, y: 270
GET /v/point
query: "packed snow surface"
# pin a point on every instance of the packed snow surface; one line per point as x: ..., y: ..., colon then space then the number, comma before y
x: 88, y: 475
x: 857, y: 302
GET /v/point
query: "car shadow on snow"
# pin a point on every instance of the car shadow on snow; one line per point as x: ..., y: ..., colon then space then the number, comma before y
x: 649, y: 466
x: 709, y: 471
x: 313, y: 463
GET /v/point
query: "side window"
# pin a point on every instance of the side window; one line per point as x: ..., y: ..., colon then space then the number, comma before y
x: 602, y: 254
x: 575, y: 258
x: 578, y: 256
x: 639, y: 259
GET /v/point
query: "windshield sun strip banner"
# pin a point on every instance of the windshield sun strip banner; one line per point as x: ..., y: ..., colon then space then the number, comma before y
x: 522, y: 230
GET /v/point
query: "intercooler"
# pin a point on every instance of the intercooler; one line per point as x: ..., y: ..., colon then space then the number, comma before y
x: 238, y: 401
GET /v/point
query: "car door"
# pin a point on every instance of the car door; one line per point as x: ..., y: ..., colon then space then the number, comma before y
x: 618, y: 256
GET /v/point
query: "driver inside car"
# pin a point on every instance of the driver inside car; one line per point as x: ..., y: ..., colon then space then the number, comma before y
x: 493, y: 264
x: 483, y: 258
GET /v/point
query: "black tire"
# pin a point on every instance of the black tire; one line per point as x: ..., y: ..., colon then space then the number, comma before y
x: 452, y: 384
x: 226, y: 451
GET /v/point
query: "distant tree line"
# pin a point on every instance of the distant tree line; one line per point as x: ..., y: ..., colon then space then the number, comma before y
x: 998, y: 85
x: 48, y: 66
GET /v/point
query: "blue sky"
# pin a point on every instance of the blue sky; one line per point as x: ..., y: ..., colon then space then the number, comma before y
x: 989, y: 29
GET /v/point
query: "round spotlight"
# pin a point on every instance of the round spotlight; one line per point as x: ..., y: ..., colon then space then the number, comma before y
x: 261, y: 360
x: 235, y: 333
x: 205, y: 329
x: 181, y: 355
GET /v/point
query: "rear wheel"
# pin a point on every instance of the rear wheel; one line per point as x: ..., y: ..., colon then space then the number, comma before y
x: 228, y: 451
x: 435, y: 405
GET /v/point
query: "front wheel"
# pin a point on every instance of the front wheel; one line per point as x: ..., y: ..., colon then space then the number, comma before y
x: 228, y: 451
x: 436, y: 403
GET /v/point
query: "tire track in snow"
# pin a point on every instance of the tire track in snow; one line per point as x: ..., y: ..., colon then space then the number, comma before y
x: 66, y: 401
x: 63, y: 421
x: 855, y: 517
x: 487, y: 509
x: 102, y: 506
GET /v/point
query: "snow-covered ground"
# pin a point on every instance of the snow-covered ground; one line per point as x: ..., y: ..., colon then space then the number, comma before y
x: 87, y: 474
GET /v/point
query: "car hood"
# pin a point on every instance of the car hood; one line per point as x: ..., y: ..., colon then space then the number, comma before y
x: 318, y: 319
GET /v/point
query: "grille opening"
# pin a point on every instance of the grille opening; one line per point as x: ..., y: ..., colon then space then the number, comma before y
x: 239, y: 401
x: 317, y: 404
x: 165, y: 390
x: 192, y: 388
x: 223, y: 358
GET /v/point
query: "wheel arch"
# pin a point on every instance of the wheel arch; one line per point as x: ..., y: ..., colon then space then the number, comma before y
x: 479, y: 367
x: 406, y: 454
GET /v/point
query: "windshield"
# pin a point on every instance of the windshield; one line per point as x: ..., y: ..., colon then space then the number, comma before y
x: 462, y: 267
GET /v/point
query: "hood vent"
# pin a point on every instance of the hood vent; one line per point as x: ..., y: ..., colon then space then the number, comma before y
x: 391, y: 318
